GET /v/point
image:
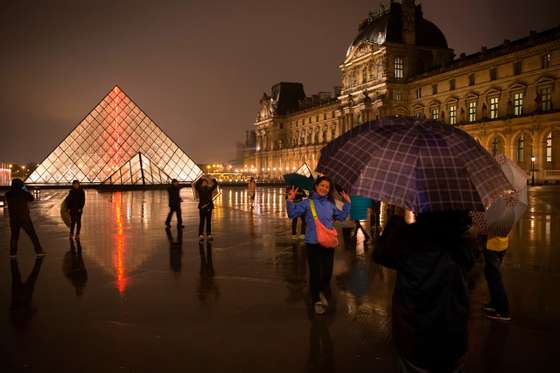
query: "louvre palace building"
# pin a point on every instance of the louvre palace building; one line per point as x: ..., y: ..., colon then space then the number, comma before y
x: 507, y: 97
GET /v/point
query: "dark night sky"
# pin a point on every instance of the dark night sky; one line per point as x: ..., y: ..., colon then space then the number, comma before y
x: 198, y: 68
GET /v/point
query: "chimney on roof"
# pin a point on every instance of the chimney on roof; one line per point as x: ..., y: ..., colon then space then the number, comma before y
x: 409, y: 22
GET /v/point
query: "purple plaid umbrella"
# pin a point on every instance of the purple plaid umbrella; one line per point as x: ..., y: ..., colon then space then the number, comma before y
x: 421, y: 165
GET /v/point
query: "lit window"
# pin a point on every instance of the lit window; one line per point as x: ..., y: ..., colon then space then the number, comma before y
x: 472, y: 111
x: 548, y: 149
x: 399, y: 68
x: 493, y: 73
x: 452, y: 114
x: 452, y: 84
x: 518, y: 103
x: 419, y: 92
x: 494, y: 102
x: 435, y: 113
x: 521, y: 148
x: 546, y: 58
x: 397, y: 95
x: 546, y: 98
x: 434, y: 89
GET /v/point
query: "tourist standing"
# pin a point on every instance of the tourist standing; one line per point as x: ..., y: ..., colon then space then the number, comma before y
x: 430, y: 301
x: 175, y: 200
x: 252, y: 191
x: 75, y: 202
x: 494, y: 252
x: 320, y: 259
x: 359, y: 211
x: 300, y: 195
x: 205, y: 205
x: 17, y: 198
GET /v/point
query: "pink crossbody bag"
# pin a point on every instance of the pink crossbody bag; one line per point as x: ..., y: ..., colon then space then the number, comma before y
x: 325, y: 237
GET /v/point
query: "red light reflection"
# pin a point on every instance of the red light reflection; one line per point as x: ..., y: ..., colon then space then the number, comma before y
x: 118, y: 257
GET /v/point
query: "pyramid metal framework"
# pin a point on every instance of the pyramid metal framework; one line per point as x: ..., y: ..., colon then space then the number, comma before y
x: 107, y: 141
x: 304, y: 170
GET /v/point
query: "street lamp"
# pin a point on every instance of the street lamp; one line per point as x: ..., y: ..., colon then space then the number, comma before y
x: 533, y: 170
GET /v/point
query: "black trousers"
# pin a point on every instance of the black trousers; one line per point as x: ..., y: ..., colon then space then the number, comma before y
x: 205, y: 217
x: 75, y: 221
x: 320, y: 260
x: 27, y: 226
x: 498, y: 296
x: 177, y: 211
x: 294, y: 225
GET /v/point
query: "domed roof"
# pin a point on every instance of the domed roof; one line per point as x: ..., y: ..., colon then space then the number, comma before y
x: 387, y: 27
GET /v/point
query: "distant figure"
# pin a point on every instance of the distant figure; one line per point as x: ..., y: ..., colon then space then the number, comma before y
x: 75, y: 202
x: 252, y: 191
x: 17, y: 198
x: 205, y: 205
x: 358, y: 212
x: 300, y: 195
x: 430, y: 301
x: 174, y: 204
x: 74, y: 268
x: 494, y: 252
x: 21, y: 309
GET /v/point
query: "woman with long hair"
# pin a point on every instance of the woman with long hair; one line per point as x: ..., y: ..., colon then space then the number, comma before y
x: 318, y: 209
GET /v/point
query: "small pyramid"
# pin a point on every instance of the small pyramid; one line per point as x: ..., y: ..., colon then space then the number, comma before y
x: 304, y: 170
x: 111, y: 135
x: 138, y: 170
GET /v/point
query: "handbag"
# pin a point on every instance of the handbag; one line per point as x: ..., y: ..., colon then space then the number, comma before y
x: 325, y: 237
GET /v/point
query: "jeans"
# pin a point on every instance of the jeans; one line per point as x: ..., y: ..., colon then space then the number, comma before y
x: 294, y: 225
x: 498, y: 297
x: 320, y: 260
x: 75, y: 221
x: 177, y: 211
x: 27, y: 226
x: 205, y: 216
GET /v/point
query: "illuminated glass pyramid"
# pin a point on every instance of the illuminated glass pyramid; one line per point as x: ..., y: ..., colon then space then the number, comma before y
x: 304, y: 170
x: 114, y: 138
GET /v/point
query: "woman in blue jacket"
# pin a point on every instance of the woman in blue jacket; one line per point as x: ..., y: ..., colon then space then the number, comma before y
x: 319, y: 258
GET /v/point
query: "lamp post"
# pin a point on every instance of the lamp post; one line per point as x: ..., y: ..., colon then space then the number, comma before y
x: 533, y: 170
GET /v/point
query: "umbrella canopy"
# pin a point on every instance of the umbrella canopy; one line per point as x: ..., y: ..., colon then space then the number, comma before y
x: 299, y: 180
x: 421, y: 165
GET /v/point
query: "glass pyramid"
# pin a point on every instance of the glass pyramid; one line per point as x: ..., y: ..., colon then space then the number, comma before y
x: 139, y: 170
x: 304, y: 170
x: 108, y: 140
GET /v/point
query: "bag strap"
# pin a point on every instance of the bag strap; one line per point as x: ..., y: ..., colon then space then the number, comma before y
x: 313, y: 211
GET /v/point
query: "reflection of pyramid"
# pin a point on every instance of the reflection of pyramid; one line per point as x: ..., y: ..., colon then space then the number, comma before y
x: 108, y: 139
x: 304, y: 170
x: 138, y: 171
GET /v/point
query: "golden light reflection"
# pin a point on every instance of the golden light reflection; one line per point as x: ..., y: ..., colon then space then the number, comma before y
x: 118, y: 258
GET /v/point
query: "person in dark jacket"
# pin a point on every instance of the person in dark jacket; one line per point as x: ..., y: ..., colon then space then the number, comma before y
x: 430, y: 301
x: 75, y: 202
x: 300, y: 195
x: 17, y: 198
x: 174, y: 204
x: 205, y: 205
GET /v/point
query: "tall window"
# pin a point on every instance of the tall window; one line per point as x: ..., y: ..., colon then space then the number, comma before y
x: 518, y: 103
x: 435, y: 113
x: 419, y: 92
x: 546, y: 58
x: 517, y: 68
x: 452, y: 85
x: 452, y: 114
x: 548, y: 149
x: 399, y: 68
x: 418, y: 114
x: 521, y: 148
x: 494, y: 102
x: 493, y: 73
x: 472, y: 111
x: 471, y: 79
x: 546, y: 98
x: 434, y: 89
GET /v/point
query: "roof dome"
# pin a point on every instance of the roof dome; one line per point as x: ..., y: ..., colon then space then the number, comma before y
x: 387, y: 27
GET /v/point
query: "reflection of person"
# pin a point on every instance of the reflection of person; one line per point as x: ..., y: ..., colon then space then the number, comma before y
x: 205, y: 205
x: 358, y: 212
x: 75, y: 202
x: 321, y: 350
x: 175, y: 250
x: 174, y: 204
x: 319, y: 258
x: 207, y: 289
x: 74, y: 268
x: 21, y: 309
x: 430, y: 298
x: 17, y: 198
x: 300, y: 195
x: 252, y: 191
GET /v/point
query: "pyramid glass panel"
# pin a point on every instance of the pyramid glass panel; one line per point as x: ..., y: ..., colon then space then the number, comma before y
x: 109, y: 139
x: 304, y: 170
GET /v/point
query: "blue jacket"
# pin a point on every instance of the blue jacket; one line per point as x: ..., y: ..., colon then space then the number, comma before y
x: 360, y: 206
x: 326, y: 212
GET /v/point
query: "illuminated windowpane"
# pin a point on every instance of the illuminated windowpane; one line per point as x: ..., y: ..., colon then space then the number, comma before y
x: 518, y: 103
x: 494, y: 101
x: 548, y: 150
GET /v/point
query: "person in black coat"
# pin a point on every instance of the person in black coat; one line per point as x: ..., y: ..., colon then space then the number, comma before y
x: 430, y: 301
x: 205, y: 205
x: 75, y: 202
x: 17, y: 198
x: 174, y: 204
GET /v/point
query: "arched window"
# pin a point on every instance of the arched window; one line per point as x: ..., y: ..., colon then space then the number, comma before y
x: 521, y: 148
x: 548, y: 149
x: 497, y: 146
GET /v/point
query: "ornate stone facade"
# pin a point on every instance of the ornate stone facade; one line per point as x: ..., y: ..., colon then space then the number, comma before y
x: 507, y: 97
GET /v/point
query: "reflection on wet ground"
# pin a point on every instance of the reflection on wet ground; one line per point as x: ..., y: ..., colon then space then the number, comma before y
x: 134, y: 297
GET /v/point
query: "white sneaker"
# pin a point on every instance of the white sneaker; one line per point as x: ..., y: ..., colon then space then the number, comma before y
x: 323, y: 300
x: 320, y: 309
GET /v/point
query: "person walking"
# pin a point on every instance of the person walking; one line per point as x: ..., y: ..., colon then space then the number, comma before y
x: 18, y: 198
x: 175, y: 200
x: 494, y: 252
x: 75, y: 202
x: 205, y: 205
x: 320, y: 206
x: 430, y: 300
x: 300, y: 195
x: 252, y: 191
x: 359, y: 211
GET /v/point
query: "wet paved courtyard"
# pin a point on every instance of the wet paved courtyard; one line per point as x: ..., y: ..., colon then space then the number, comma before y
x: 131, y: 297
